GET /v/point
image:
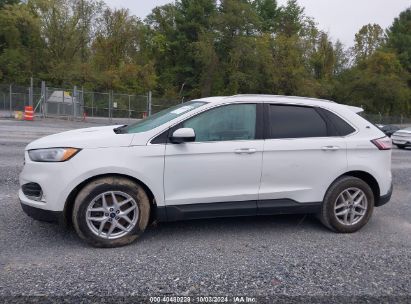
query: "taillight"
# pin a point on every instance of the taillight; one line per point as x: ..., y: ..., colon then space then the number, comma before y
x: 383, y: 143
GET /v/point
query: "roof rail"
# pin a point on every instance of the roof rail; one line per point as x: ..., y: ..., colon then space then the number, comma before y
x: 280, y: 96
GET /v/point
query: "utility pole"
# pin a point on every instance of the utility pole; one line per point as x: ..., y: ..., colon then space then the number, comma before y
x: 181, y: 92
x: 31, y: 92
x: 10, y: 99
x: 43, y: 99
x: 149, y: 103
x: 74, y: 100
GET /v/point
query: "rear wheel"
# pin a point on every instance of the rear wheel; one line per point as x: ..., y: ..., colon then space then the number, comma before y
x: 110, y: 212
x: 400, y: 146
x: 348, y: 205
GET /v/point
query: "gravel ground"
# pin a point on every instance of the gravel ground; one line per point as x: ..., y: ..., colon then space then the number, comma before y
x: 265, y: 256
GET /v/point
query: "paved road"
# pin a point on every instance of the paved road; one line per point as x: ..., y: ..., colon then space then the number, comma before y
x: 276, y: 255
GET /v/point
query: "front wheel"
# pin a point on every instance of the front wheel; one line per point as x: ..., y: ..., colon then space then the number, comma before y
x: 111, y: 212
x: 400, y: 146
x: 348, y: 205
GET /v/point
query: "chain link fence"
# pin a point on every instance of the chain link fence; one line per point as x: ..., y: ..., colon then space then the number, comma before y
x: 387, y: 120
x: 159, y: 104
x: 75, y: 103
x: 13, y: 100
x: 61, y: 103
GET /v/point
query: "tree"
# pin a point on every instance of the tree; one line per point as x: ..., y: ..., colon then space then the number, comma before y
x: 207, y: 59
x: 369, y: 38
x: 268, y: 12
x: 8, y: 2
x: 192, y: 48
x: 399, y: 38
x: 291, y: 18
x: 67, y: 27
x: 193, y: 19
x: 323, y: 59
x: 378, y: 83
x: 21, y: 46
x: 116, y: 51
x: 237, y: 25
x: 291, y: 74
x: 162, y: 44
x: 342, y: 58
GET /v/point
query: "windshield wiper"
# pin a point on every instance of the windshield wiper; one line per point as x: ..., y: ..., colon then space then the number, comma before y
x: 119, y: 130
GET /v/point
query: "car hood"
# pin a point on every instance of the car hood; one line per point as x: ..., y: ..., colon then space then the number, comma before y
x: 95, y: 137
x: 406, y: 131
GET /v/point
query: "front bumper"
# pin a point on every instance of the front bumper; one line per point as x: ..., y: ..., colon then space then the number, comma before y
x: 43, y: 215
x: 38, y: 210
x: 384, y: 198
x: 53, y: 180
x: 401, y: 140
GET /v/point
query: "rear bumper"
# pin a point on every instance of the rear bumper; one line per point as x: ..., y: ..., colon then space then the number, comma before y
x: 384, y: 198
x: 42, y: 215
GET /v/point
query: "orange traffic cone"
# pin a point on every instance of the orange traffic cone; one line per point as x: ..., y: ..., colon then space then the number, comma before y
x: 28, y: 113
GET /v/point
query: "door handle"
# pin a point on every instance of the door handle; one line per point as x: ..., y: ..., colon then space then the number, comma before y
x: 245, y: 151
x: 330, y: 148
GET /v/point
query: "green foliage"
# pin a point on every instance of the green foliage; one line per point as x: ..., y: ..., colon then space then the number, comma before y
x: 323, y: 59
x: 195, y: 48
x: 399, y: 38
x: 8, y: 2
x: 20, y: 43
x: 67, y: 30
x: 342, y: 59
x: 291, y: 18
x: 370, y: 38
x: 379, y: 84
x: 268, y: 12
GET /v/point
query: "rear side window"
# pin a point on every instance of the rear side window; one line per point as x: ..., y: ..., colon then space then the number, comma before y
x: 295, y: 122
x: 339, y: 126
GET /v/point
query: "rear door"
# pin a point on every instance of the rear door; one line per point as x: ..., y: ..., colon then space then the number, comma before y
x: 302, y: 156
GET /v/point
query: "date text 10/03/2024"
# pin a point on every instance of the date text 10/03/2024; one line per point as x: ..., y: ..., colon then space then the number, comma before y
x: 202, y: 299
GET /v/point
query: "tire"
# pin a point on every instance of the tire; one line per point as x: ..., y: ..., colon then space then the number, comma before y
x: 400, y: 146
x: 340, y: 194
x: 89, y: 205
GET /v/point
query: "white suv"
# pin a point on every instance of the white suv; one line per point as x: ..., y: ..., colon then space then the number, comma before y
x: 213, y: 157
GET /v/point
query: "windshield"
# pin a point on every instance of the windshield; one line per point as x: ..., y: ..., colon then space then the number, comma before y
x: 162, y: 117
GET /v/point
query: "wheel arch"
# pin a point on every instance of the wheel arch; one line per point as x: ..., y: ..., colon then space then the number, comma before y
x: 69, y: 203
x: 366, y: 177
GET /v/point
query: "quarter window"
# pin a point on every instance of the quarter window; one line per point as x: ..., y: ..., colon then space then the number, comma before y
x: 341, y: 127
x: 295, y: 122
x: 225, y: 123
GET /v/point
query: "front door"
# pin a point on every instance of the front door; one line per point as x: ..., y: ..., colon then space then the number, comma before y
x: 221, y: 169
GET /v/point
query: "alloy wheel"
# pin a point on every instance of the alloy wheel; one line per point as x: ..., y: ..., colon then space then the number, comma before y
x: 350, y: 206
x: 112, y: 214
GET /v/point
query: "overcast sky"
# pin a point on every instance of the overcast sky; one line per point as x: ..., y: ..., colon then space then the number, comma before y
x: 340, y: 18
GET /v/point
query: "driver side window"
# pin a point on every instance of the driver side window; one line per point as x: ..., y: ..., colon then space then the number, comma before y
x: 225, y: 123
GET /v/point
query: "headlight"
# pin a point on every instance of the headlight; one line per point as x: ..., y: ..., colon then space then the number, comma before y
x: 53, y: 154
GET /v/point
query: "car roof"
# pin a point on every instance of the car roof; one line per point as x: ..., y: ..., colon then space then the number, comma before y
x: 260, y: 98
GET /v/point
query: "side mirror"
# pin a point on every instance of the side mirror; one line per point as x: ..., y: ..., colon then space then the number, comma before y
x: 183, y: 135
